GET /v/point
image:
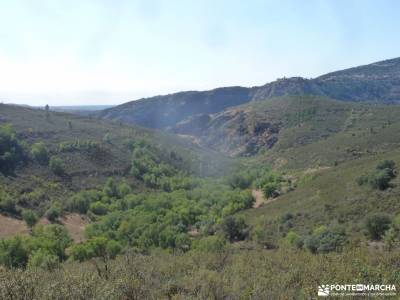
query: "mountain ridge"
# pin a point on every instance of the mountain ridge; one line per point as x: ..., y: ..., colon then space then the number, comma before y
x: 376, y: 82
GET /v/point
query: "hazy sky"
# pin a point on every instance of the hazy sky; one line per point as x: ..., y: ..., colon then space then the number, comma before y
x: 68, y: 52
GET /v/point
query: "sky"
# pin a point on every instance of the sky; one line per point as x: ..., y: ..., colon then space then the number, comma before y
x: 84, y: 52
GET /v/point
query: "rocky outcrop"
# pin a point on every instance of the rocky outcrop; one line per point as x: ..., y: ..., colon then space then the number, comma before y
x: 232, y: 131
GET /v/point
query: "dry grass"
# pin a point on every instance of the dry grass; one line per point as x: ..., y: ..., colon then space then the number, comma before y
x: 74, y: 223
x: 11, y: 226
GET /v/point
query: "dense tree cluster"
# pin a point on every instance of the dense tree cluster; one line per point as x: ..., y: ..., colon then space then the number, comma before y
x: 160, y: 219
x: 45, y: 247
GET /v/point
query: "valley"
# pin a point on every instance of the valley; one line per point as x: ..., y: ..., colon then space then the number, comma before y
x: 234, y: 193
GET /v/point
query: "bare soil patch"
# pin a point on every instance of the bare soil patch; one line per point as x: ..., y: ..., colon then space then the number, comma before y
x: 11, y: 226
x: 74, y: 223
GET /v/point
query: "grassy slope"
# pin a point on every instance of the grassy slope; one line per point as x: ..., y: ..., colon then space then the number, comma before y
x: 331, y: 196
x: 326, y: 145
x: 319, y: 132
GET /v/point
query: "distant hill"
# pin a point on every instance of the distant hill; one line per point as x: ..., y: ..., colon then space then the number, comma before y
x: 378, y: 82
x: 84, y: 110
x: 166, y: 111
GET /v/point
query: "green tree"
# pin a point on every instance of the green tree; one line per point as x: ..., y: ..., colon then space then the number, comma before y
x: 47, y: 110
x: 43, y: 259
x: 213, y: 243
x: 53, y: 238
x: 98, y: 247
x: 98, y: 208
x: 270, y: 189
x: 80, y: 202
x: 376, y: 225
x: 124, y: 189
x: 110, y: 188
x: 40, y: 153
x: 53, y: 213
x: 294, y: 240
x: 234, y: 229
x: 7, y: 203
x: 29, y: 217
x: 381, y: 179
x: 13, y: 252
x: 326, y: 239
x: 12, y: 151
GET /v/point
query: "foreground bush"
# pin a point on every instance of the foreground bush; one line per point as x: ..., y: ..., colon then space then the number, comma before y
x: 233, y: 274
x: 376, y: 225
x: 326, y: 239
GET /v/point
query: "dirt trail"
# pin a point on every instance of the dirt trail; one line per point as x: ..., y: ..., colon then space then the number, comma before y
x: 260, y: 199
x: 314, y: 170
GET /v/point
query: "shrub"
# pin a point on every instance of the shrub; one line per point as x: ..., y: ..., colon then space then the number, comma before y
x: 107, y: 138
x: 110, y: 188
x: 88, y: 146
x: 12, y: 151
x: 271, y: 189
x: 124, y: 189
x: 362, y: 180
x: 44, y: 260
x: 13, y: 252
x: 7, y: 203
x: 29, y: 217
x: 53, y: 213
x: 57, y: 166
x: 234, y: 229
x: 386, y: 164
x: 391, y: 237
x: 210, y: 244
x: 53, y: 238
x: 376, y: 225
x: 80, y: 202
x: 239, y: 180
x: 264, y: 237
x: 40, y: 153
x: 325, y: 239
x: 98, y: 208
x: 380, y: 179
x: 286, y: 217
x: 294, y: 240
x: 96, y: 247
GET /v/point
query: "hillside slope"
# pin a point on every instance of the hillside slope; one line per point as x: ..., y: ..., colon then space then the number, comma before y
x: 165, y: 111
x: 376, y: 82
x: 89, y: 151
x: 327, y: 196
x: 298, y: 130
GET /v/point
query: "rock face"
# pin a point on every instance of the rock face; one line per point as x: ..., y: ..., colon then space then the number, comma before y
x: 378, y: 82
x: 233, y: 131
